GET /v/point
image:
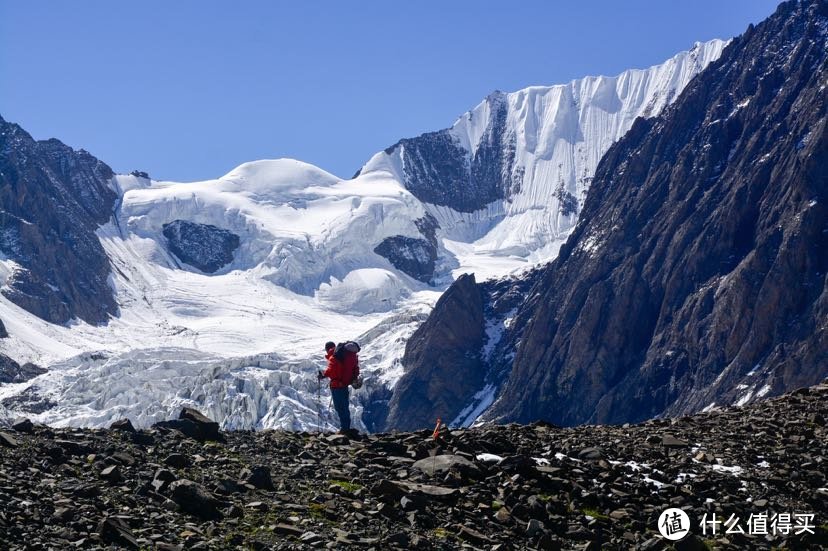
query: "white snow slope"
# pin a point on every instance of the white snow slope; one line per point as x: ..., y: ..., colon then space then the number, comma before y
x: 244, y: 344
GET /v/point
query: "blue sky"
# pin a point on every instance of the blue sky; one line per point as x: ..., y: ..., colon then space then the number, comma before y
x: 187, y: 90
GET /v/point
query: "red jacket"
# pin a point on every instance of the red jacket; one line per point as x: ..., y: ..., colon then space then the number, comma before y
x: 342, y: 373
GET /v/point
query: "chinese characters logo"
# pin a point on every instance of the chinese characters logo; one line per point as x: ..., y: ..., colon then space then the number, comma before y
x: 674, y: 524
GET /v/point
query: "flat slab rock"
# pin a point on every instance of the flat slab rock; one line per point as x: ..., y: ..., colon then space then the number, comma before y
x: 442, y: 463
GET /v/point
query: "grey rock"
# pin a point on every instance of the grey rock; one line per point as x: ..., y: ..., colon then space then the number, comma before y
x: 203, y: 246
x: 194, y: 499
x: 112, y: 474
x: 473, y: 536
x: 22, y: 424
x: 440, y: 380
x: 413, y: 256
x: 670, y: 441
x: 593, y: 454
x: 258, y: 476
x: 288, y: 530
x: 442, y: 463
x: 533, y: 527
x: 124, y: 425
x: 54, y: 198
x: 162, y: 479
x: 7, y: 440
x: 114, y: 531
x: 440, y: 171
x: 13, y: 372
x: 177, y: 460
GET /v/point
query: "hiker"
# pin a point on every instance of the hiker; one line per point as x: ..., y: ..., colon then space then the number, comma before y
x: 343, y: 370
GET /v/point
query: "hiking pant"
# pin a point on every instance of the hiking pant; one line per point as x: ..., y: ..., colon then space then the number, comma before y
x: 340, y: 402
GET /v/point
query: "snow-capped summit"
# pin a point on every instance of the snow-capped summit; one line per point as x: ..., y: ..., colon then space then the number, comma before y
x: 507, y: 180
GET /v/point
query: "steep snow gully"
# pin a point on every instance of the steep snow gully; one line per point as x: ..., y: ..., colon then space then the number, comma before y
x: 293, y: 260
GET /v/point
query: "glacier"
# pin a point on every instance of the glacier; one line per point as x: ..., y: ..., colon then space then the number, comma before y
x: 243, y: 344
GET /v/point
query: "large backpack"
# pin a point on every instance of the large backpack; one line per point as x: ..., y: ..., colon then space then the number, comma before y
x: 342, y: 352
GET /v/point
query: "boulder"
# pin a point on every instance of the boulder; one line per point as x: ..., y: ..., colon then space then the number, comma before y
x: 443, y: 463
x: 195, y: 500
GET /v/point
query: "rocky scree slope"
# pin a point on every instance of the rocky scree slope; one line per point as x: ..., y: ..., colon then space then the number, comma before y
x: 54, y: 198
x: 184, y: 484
x: 697, y: 274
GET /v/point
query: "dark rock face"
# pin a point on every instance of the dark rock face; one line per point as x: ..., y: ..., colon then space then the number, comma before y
x: 440, y: 171
x: 3, y: 332
x: 415, y: 257
x: 53, y: 199
x: 441, y: 377
x: 28, y: 401
x: 202, y: 246
x: 700, y: 261
x: 702, y: 254
x: 471, y: 344
x: 13, y: 372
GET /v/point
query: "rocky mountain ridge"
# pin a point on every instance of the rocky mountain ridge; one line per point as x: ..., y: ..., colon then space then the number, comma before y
x: 53, y: 199
x: 697, y: 274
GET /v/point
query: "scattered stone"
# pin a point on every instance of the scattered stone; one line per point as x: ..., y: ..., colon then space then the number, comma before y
x: 533, y: 527
x: 310, y: 538
x: 337, y: 439
x: 112, y: 474
x: 194, y: 499
x: 176, y: 460
x: 22, y: 424
x: 208, y: 428
x: 473, y: 536
x: 7, y: 440
x: 442, y: 463
x: 63, y: 515
x: 542, y: 495
x: 162, y: 479
x: 502, y: 516
x: 257, y: 506
x: 288, y: 530
x: 115, y: 531
x: 670, y: 441
x: 591, y: 454
x: 258, y: 477
x: 124, y: 425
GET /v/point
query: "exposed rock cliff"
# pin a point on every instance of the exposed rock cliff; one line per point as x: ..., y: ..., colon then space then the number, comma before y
x: 202, y: 246
x: 53, y: 199
x: 698, y: 271
x: 447, y: 375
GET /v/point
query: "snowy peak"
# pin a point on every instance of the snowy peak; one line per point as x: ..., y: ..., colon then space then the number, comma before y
x: 508, y: 178
x: 282, y: 176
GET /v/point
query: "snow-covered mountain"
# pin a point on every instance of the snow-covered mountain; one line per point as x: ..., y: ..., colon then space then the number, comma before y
x: 226, y: 289
x: 507, y: 181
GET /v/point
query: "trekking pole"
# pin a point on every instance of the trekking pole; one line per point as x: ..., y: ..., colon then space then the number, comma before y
x: 318, y: 404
